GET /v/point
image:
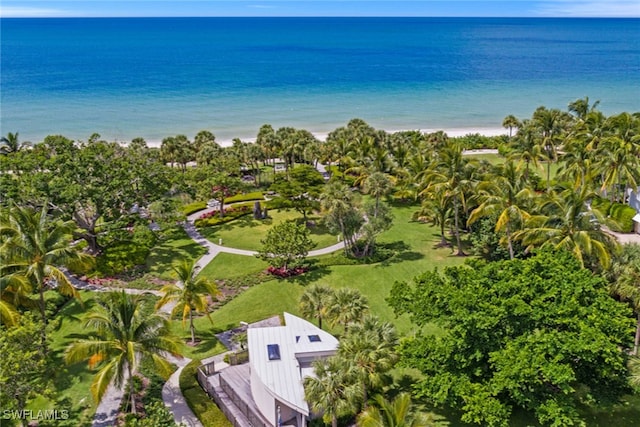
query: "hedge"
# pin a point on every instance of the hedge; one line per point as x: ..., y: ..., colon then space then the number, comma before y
x: 202, y: 406
x: 233, y: 212
x: 621, y: 216
x: 193, y: 207
x: 256, y: 195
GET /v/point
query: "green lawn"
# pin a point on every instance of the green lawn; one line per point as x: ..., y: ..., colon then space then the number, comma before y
x: 246, y: 232
x: 414, y: 242
x: 177, y: 245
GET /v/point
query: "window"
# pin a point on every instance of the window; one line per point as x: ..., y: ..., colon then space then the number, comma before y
x: 273, y: 350
x: 314, y: 338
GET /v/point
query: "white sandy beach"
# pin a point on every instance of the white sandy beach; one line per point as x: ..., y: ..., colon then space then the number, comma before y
x: 322, y: 136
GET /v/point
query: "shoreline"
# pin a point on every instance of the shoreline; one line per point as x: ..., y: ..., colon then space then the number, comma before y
x: 322, y: 136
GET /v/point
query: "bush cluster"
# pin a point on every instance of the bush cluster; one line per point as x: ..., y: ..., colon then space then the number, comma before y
x: 213, y: 218
x: 193, y: 207
x: 619, y: 217
x: 205, y: 409
x: 475, y: 141
x: 256, y: 195
x: 286, y: 272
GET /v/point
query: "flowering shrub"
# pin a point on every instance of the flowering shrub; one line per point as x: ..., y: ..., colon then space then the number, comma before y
x: 242, y: 209
x: 286, y: 272
x: 230, y: 213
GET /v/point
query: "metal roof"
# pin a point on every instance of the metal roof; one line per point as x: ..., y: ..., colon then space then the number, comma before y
x: 284, y: 377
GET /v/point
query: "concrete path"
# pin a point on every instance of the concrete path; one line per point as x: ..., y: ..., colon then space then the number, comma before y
x: 108, y: 408
x: 173, y: 398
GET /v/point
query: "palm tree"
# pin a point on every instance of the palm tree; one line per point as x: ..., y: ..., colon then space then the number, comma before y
x: 568, y: 223
x: 581, y: 107
x: 627, y: 287
x: 36, y: 248
x: 504, y: 193
x: 369, y: 350
x: 378, y: 185
x: 396, y: 413
x: 122, y: 335
x: 510, y: 122
x: 452, y: 174
x: 550, y: 125
x: 190, y: 294
x: 525, y: 148
x: 347, y: 306
x: 14, y: 291
x: 436, y: 209
x: 10, y: 143
x: 338, y: 201
x: 332, y: 390
x: 315, y: 302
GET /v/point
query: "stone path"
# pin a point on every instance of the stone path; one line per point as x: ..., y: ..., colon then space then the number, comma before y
x: 173, y: 398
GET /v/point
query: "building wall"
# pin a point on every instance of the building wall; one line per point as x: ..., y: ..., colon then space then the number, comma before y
x: 265, y: 402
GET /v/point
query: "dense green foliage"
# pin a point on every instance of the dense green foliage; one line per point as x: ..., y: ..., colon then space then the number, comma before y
x: 201, y: 405
x: 286, y: 245
x: 540, y: 334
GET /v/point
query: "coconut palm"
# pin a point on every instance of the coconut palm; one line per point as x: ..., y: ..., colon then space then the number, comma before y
x: 581, y: 107
x: 396, y: 413
x: 10, y: 143
x: 338, y: 201
x: 550, y: 125
x: 627, y: 287
x: 14, y: 292
x: 525, y: 148
x: 332, y: 390
x: 510, y: 122
x: 36, y: 248
x: 369, y: 350
x: 436, y: 209
x: 315, y: 302
x: 122, y: 336
x: 347, y: 306
x: 568, y: 223
x: 378, y: 185
x: 189, y: 295
x: 451, y: 173
x: 506, y: 194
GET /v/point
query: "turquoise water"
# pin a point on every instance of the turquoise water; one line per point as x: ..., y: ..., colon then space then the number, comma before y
x: 155, y: 77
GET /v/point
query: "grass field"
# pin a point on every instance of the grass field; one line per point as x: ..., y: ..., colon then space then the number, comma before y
x: 176, y: 246
x: 246, y: 232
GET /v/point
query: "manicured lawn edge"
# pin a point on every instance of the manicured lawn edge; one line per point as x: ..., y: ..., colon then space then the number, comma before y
x: 202, y: 406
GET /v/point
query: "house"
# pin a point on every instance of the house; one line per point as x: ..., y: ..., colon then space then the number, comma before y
x: 280, y: 358
x: 634, y: 202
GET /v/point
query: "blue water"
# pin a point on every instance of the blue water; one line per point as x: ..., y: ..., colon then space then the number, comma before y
x: 155, y: 77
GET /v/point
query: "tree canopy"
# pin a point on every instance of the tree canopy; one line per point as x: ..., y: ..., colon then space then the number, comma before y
x: 540, y: 334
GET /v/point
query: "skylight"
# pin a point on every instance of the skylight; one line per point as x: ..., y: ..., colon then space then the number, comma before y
x: 314, y: 338
x: 273, y: 350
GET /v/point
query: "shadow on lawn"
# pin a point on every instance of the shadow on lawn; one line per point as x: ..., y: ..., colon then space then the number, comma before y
x: 401, y: 252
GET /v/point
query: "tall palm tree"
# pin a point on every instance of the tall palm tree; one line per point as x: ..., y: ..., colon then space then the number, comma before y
x: 504, y: 193
x: 36, y: 248
x: 525, y: 148
x: 627, y: 287
x: 510, y: 122
x: 14, y: 292
x: 338, y: 201
x: 332, y: 390
x: 369, y: 350
x: 451, y: 173
x: 189, y: 295
x: 315, y: 302
x: 568, y: 223
x: 122, y: 336
x: 436, y: 209
x: 378, y: 185
x: 347, y: 306
x: 396, y: 413
x: 550, y: 124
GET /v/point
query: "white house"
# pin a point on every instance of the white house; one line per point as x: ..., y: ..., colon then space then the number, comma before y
x: 634, y: 202
x: 280, y: 358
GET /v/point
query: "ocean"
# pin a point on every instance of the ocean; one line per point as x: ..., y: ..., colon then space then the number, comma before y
x: 157, y: 77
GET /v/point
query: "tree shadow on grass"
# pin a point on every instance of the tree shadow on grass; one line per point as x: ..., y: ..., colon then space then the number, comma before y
x: 315, y: 273
x: 208, y: 342
x: 400, y: 252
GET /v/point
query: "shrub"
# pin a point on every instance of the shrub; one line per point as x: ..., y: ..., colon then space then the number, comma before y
x: 601, y: 204
x: 286, y: 272
x: 202, y: 406
x: 621, y: 218
x: 121, y: 257
x: 193, y: 207
x: 233, y: 212
x: 256, y: 195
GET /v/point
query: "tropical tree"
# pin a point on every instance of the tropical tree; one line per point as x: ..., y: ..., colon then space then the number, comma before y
x: 122, y: 336
x: 568, y: 223
x: 378, y: 185
x: 510, y: 122
x: 191, y: 294
x: 15, y: 290
x: 525, y: 148
x: 10, y: 143
x: 36, y: 248
x: 396, y: 413
x: 627, y: 287
x: 339, y: 203
x: 286, y: 243
x: 436, y: 209
x: 315, y: 302
x: 550, y: 125
x: 368, y: 349
x: 331, y: 391
x: 504, y: 193
x: 452, y: 174
x: 347, y: 306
